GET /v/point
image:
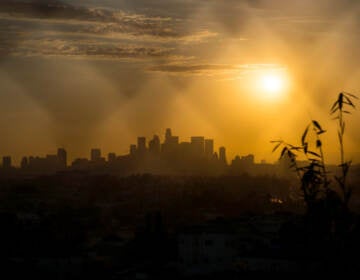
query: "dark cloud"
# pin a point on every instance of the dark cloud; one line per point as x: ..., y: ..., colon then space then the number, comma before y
x: 57, y: 28
x: 97, y: 20
x: 88, y: 49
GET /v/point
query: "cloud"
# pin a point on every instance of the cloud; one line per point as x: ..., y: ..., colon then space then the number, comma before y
x: 212, y: 69
x: 99, y: 20
x: 195, y: 68
x: 88, y: 49
x: 51, y: 28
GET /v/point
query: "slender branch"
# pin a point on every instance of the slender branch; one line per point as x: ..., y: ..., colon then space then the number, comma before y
x: 322, y: 156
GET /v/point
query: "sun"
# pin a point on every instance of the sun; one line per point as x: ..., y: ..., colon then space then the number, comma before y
x: 272, y: 85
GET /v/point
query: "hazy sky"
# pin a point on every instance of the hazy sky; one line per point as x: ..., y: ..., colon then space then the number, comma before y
x: 91, y: 73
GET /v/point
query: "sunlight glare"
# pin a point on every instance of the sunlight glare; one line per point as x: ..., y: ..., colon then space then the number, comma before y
x: 272, y: 85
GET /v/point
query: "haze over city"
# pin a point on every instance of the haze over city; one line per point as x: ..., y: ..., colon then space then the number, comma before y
x: 83, y: 74
x: 179, y: 139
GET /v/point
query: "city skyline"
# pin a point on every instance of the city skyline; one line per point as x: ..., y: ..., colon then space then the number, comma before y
x: 170, y: 156
x: 172, y: 150
x: 145, y: 143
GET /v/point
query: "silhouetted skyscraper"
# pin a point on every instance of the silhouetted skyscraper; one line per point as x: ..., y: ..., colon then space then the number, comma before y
x: 24, y: 163
x: 95, y: 154
x: 171, y: 144
x: 132, y: 150
x: 209, y: 148
x: 198, y: 145
x: 6, y: 162
x: 168, y: 134
x: 222, y: 154
x: 111, y: 157
x: 154, y: 145
x: 141, y: 145
x: 62, y: 156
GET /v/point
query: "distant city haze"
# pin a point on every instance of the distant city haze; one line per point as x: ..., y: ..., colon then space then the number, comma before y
x: 98, y: 74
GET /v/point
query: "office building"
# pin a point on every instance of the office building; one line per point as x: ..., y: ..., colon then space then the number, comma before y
x: 198, y: 145
x: 154, y: 145
x: 132, y: 150
x: 222, y: 155
x: 95, y: 154
x: 141, y: 145
x: 209, y: 148
x: 62, y: 157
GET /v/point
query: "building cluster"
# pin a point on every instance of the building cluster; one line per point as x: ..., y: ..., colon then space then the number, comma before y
x: 47, y: 164
x: 197, y: 148
x: 170, y: 157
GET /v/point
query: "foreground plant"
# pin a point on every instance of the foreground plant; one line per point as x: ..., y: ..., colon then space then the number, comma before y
x: 315, y: 181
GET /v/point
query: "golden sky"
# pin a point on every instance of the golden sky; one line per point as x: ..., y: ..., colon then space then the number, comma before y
x: 91, y: 73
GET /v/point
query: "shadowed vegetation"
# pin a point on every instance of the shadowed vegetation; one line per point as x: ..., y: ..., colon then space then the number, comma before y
x: 326, y: 195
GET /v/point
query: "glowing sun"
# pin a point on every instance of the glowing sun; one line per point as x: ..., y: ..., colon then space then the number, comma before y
x: 273, y: 85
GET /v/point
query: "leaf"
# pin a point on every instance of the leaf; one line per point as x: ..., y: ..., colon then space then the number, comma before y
x: 317, y: 125
x: 341, y: 100
x: 306, y: 145
x: 333, y: 111
x: 291, y: 155
x: 284, y: 150
x: 304, y: 135
x: 334, y: 108
x: 276, y: 147
x: 321, y: 132
x: 318, y: 143
x: 350, y: 94
x: 313, y: 153
x: 349, y: 101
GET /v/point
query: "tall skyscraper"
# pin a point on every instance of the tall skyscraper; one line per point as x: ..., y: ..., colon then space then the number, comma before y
x: 198, y: 145
x: 95, y: 154
x: 171, y: 144
x: 62, y: 157
x: 222, y: 155
x: 141, y: 145
x: 154, y: 145
x: 209, y: 148
x: 132, y: 150
x: 167, y: 134
x: 6, y: 162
